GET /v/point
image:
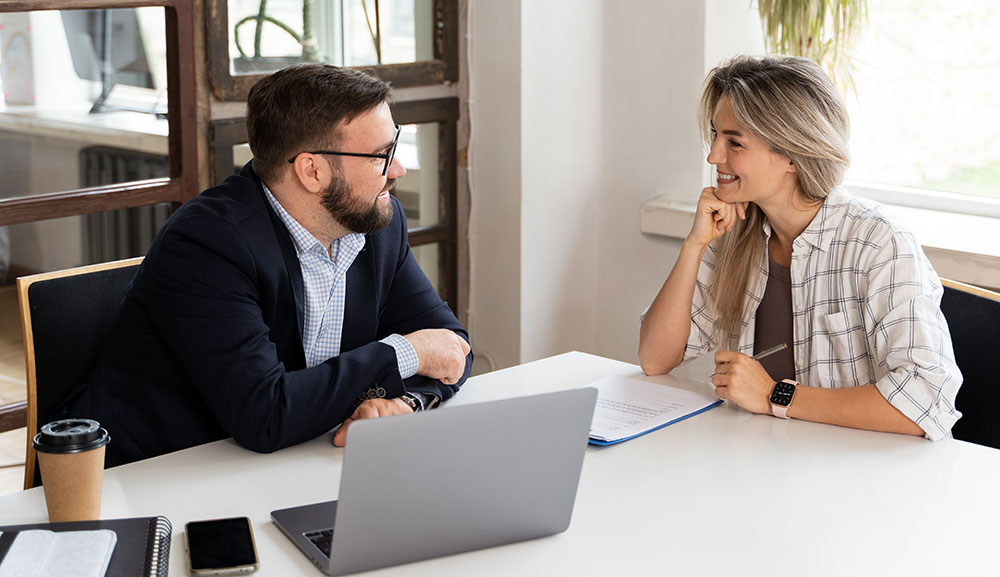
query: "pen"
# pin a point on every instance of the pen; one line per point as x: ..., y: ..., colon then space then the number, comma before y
x: 764, y: 353
x: 770, y: 351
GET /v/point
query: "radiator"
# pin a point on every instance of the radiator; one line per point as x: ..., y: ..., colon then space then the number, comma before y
x: 126, y: 232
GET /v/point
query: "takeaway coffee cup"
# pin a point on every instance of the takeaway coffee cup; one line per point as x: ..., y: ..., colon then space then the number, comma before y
x: 71, y: 458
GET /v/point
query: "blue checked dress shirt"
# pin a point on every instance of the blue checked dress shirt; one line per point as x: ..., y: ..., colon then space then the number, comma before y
x: 324, y: 277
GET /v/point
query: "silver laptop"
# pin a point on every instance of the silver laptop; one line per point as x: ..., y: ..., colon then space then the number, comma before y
x: 455, y: 479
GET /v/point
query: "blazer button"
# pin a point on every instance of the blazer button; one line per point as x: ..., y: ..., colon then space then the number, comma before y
x: 372, y: 393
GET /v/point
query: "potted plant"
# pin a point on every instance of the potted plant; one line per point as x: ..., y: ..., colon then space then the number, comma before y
x: 822, y: 30
x: 257, y: 63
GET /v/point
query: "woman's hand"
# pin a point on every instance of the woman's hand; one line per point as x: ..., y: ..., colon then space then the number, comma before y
x: 714, y: 217
x: 742, y: 380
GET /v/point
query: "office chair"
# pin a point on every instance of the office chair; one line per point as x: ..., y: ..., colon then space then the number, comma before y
x: 973, y: 316
x: 66, y: 316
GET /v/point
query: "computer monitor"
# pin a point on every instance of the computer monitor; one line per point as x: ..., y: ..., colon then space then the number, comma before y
x: 107, y: 46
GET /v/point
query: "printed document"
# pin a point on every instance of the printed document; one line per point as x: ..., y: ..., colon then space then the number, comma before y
x: 628, y: 407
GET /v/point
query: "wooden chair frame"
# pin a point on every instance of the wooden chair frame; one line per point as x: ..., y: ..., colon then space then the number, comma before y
x: 968, y: 288
x: 29, y: 347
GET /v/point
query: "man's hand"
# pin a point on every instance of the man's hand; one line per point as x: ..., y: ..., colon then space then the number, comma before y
x: 743, y: 381
x: 441, y: 354
x: 371, y: 409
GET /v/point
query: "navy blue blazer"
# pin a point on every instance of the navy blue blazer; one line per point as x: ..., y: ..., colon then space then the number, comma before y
x: 208, y: 341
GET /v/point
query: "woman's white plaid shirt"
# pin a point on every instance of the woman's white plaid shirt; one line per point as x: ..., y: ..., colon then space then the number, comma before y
x: 866, y: 310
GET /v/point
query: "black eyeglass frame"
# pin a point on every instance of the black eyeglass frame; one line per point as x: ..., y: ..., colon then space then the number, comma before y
x: 387, y: 156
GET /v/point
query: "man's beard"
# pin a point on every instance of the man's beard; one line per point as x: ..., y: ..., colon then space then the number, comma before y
x: 356, y: 215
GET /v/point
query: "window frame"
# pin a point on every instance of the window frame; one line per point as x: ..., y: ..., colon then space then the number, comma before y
x: 182, y: 183
x: 440, y: 70
x: 928, y: 199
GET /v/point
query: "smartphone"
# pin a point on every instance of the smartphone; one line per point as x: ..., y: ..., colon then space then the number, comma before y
x: 221, y: 547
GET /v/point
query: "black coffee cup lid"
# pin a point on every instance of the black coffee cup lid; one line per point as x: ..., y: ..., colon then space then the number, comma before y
x: 70, y: 436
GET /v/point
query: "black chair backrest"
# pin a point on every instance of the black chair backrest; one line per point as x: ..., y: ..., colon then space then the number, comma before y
x: 71, y: 318
x: 974, y: 323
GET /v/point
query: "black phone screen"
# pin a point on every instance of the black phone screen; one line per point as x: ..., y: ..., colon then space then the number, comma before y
x: 220, y: 544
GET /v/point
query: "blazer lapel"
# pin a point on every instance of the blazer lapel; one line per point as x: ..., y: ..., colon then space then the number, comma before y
x: 291, y: 259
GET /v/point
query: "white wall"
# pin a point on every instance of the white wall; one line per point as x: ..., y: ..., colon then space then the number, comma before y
x: 732, y: 29
x: 597, y: 101
x: 495, y: 181
x: 651, y: 146
x: 562, y: 47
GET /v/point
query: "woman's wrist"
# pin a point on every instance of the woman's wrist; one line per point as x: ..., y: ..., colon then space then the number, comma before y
x: 694, y: 245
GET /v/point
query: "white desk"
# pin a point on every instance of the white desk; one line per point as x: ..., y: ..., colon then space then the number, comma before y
x: 723, y: 493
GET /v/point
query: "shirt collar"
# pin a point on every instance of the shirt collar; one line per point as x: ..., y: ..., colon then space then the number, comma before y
x: 823, y: 227
x: 304, y: 240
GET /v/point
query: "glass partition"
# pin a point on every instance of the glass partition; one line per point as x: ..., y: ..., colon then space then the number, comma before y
x: 85, y: 99
x: 91, y: 117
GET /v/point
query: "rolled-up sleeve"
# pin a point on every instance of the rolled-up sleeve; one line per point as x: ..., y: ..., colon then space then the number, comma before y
x: 911, y: 341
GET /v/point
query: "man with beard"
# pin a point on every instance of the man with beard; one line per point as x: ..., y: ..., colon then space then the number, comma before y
x: 285, y: 301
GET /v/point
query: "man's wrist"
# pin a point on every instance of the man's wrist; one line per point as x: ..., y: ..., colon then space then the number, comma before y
x: 420, y: 401
x: 415, y: 402
x: 406, y: 355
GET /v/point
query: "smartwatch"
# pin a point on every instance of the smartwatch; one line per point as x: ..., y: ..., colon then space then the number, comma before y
x: 781, y: 397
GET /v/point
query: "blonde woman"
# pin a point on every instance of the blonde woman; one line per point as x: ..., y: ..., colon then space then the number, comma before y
x: 779, y: 253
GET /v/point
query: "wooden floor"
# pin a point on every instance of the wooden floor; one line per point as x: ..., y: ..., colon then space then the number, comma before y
x: 12, y: 388
x: 12, y: 450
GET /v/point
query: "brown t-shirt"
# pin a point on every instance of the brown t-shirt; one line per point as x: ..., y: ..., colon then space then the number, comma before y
x: 774, y: 322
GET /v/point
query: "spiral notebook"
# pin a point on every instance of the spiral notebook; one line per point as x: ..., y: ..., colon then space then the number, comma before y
x: 142, y: 548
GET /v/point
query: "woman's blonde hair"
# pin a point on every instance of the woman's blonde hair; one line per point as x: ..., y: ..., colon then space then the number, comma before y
x: 790, y: 104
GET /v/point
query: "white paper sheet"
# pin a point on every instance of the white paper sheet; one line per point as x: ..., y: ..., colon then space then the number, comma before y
x: 43, y: 553
x: 628, y: 407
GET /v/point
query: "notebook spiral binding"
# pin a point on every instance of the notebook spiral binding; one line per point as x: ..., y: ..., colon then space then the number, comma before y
x: 157, y: 547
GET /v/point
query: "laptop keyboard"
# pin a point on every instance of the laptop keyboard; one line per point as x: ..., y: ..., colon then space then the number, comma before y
x: 321, y: 539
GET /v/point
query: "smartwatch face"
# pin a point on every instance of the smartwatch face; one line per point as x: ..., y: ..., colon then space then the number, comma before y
x: 782, y: 394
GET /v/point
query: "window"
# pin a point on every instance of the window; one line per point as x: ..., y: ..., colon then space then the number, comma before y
x: 407, y: 42
x: 95, y: 76
x: 925, y: 123
x: 355, y: 33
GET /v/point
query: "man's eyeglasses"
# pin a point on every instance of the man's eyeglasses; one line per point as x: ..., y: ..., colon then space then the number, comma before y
x: 387, y: 155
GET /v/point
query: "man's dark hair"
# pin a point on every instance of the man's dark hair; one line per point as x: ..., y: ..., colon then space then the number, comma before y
x: 297, y: 109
